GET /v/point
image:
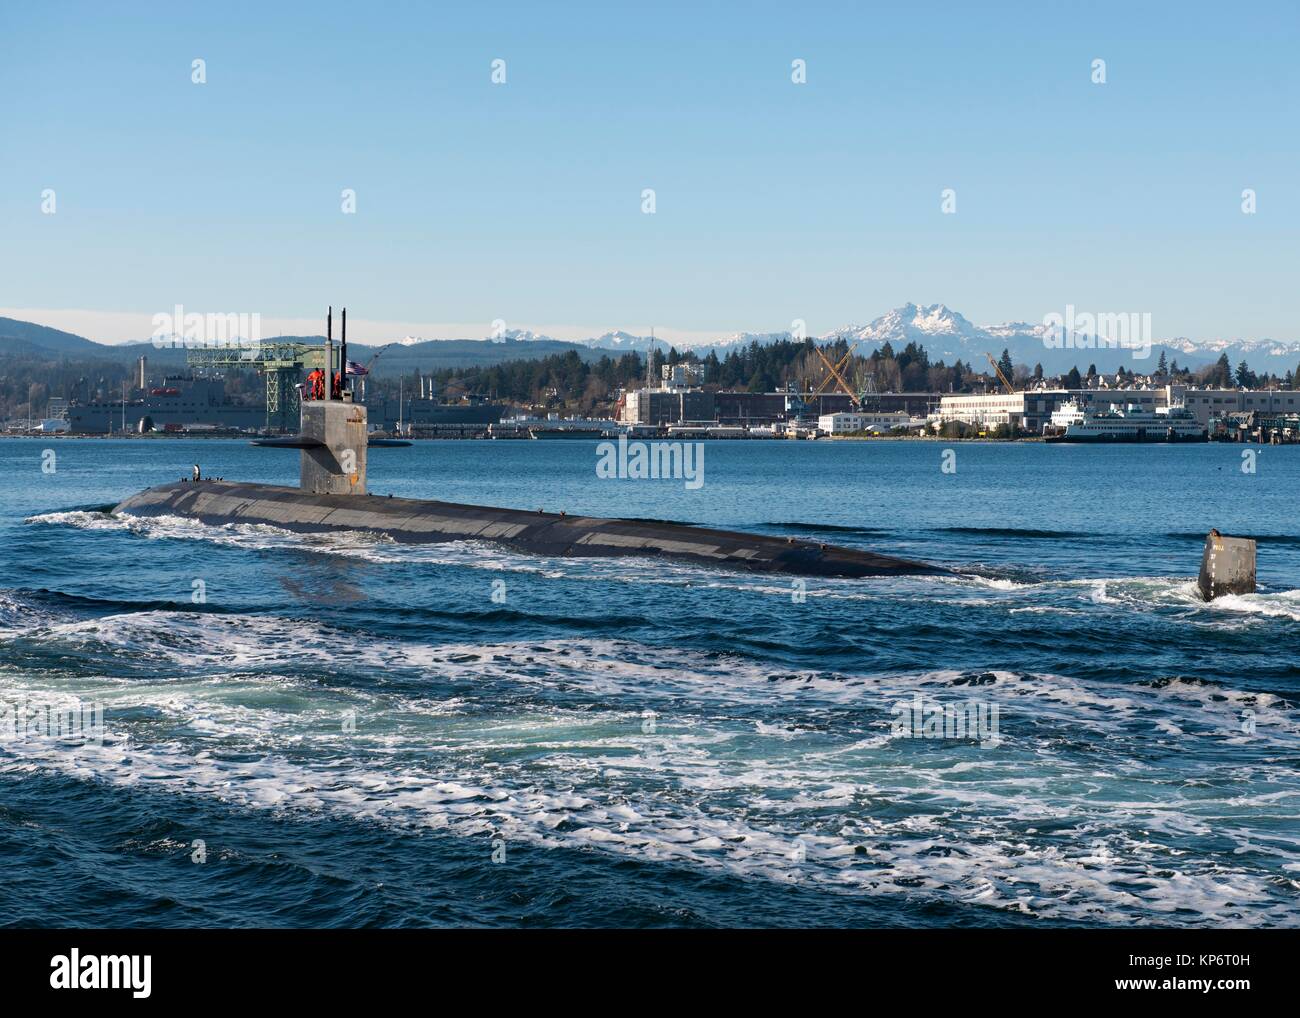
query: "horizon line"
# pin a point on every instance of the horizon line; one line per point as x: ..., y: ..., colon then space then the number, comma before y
x: 134, y: 327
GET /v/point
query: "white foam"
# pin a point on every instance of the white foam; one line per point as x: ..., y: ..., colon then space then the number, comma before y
x: 811, y: 794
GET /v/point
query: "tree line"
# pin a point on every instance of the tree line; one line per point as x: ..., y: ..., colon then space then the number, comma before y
x: 568, y: 380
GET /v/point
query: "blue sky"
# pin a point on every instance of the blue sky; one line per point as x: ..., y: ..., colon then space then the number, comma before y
x: 774, y: 201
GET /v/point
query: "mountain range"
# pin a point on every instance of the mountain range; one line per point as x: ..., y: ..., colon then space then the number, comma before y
x: 945, y: 335
x: 948, y: 335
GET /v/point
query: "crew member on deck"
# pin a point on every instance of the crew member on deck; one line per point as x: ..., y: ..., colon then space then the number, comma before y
x: 196, y: 472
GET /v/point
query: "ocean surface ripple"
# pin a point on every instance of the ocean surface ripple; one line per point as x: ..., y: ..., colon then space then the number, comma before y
x: 343, y: 731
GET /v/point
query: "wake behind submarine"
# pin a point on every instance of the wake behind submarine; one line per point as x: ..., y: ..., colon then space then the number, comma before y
x: 331, y: 496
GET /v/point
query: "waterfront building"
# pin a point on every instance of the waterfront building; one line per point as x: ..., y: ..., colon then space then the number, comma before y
x: 1024, y: 411
x: 850, y: 422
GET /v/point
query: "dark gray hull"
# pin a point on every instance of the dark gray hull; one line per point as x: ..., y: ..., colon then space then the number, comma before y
x: 1227, y: 566
x: 422, y: 522
x: 1151, y: 438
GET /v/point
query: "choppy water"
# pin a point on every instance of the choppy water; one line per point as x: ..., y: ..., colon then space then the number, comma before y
x: 657, y: 744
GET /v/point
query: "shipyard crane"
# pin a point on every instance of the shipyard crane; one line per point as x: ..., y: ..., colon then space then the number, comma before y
x: 281, y: 363
x: 364, y: 373
x: 1006, y: 382
x: 378, y: 353
x: 832, y: 374
x: 866, y: 396
x: 835, y: 371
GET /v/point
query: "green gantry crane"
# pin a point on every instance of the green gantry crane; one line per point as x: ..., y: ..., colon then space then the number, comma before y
x: 281, y: 364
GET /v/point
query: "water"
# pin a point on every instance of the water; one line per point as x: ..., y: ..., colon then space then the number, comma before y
x: 643, y: 744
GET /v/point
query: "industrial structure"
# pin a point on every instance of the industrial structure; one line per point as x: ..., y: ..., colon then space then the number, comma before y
x: 1262, y: 427
x: 680, y: 399
x: 280, y: 363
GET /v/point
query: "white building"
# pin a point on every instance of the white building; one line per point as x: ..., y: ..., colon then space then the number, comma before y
x: 850, y: 423
x: 1026, y: 411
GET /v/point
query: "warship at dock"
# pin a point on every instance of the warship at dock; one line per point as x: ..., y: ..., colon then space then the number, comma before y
x: 176, y: 404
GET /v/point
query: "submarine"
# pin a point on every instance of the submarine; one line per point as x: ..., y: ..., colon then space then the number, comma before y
x: 331, y: 496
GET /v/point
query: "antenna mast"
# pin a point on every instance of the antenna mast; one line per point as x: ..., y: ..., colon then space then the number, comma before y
x: 329, y: 352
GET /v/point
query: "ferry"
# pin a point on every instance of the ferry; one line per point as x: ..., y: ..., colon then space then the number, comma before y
x: 1073, y: 422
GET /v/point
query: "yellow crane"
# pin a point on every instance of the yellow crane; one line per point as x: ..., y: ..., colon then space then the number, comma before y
x: 1006, y: 382
x: 834, y: 372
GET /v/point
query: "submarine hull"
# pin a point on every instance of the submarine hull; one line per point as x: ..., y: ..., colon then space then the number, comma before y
x: 415, y: 521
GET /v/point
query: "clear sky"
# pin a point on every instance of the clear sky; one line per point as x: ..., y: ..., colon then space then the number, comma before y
x: 774, y: 201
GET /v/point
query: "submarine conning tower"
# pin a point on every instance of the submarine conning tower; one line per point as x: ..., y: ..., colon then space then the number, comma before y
x: 337, y: 465
x: 332, y: 430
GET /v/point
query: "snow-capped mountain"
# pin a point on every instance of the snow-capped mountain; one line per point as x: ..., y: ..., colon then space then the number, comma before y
x: 520, y: 336
x: 624, y: 341
x: 1247, y: 347
x: 910, y: 323
x: 947, y: 335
